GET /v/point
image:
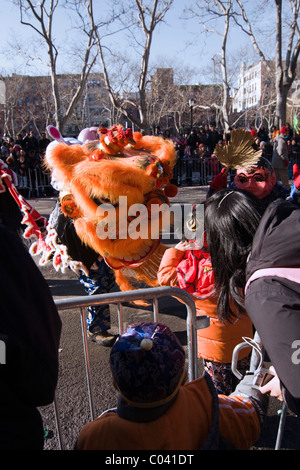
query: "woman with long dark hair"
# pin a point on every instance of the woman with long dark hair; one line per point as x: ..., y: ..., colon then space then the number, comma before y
x: 230, y: 226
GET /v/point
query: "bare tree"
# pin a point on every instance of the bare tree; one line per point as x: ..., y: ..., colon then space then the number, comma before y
x: 285, y: 63
x: 40, y: 17
x: 140, y: 16
x: 207, y: 12
x: 169, y: 102
x: 24, y: 103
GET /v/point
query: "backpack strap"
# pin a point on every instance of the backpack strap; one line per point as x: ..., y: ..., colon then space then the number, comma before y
x: 214, y: 439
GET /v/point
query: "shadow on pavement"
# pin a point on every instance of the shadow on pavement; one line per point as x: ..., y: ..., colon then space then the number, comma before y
x: 65, y: 288
x: 290, y: 437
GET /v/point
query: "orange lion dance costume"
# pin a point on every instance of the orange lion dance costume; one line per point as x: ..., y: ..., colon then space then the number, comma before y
x: 96, y: 176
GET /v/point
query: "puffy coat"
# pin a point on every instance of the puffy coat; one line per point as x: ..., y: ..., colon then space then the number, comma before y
x: 192, y: 271
x: 197, y: 419
x: 280, y: 152
x: 272, y: 296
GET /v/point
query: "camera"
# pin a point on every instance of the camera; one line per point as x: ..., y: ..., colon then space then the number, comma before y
x: 263, y: 377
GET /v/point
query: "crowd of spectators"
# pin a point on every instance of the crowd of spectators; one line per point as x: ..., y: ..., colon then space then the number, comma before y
x: 197, y: 146
x: 25, y: 153
x: 22, y: 154
x: 201, y: 142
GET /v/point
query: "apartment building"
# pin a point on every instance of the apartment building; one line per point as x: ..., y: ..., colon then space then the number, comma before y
x: 26, y: 103
x: 192, y: 104
x: 255, y: 86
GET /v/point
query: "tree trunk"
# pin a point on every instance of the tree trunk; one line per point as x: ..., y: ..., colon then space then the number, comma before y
x: 280, y: 110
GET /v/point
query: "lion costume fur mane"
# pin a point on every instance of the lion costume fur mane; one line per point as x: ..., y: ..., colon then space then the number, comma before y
x: 97, y: 173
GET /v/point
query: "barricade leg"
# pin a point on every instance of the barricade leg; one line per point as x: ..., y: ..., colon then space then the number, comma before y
x: 281, y: 426
x: 58, y: 424
x: 87, y: 363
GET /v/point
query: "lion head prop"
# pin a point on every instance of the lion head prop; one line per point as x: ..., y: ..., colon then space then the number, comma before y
x: 113, y: 189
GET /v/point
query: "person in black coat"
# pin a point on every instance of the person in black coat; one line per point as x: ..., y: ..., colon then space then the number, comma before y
x: 255, y: 254
x: 30, y: 329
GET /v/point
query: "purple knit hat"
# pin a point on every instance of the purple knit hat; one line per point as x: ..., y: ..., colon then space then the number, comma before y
x: 148, y: 364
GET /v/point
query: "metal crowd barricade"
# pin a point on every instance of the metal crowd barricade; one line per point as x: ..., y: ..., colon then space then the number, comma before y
x: 195, y: 171
x: 34, y: 183
x: 193, y: 324
x: 191, y: 171
x: 257, y: 357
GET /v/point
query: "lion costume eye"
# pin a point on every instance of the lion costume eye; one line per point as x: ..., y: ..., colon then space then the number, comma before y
x: 102, y: 200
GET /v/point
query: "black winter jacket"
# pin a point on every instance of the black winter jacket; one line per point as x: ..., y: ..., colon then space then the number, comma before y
x: 272, y: 302
x: 30, y: 329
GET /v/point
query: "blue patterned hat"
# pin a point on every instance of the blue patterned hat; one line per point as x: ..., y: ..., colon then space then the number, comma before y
x: 148, y: 364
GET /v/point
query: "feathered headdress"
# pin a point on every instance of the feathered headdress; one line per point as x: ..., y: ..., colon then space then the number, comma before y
x: 239, y: 151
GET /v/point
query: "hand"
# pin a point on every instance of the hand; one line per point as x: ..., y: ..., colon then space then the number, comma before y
x: 220, y: 181
x: 286, y: 162
x: 185, y: 245
x: 296, y: 176
x: 273, y: 387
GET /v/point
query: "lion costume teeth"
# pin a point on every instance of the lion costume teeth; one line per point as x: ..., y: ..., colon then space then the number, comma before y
x: 99, y: 173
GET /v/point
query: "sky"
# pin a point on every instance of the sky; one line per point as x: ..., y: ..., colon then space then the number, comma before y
x: 175, y: 42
